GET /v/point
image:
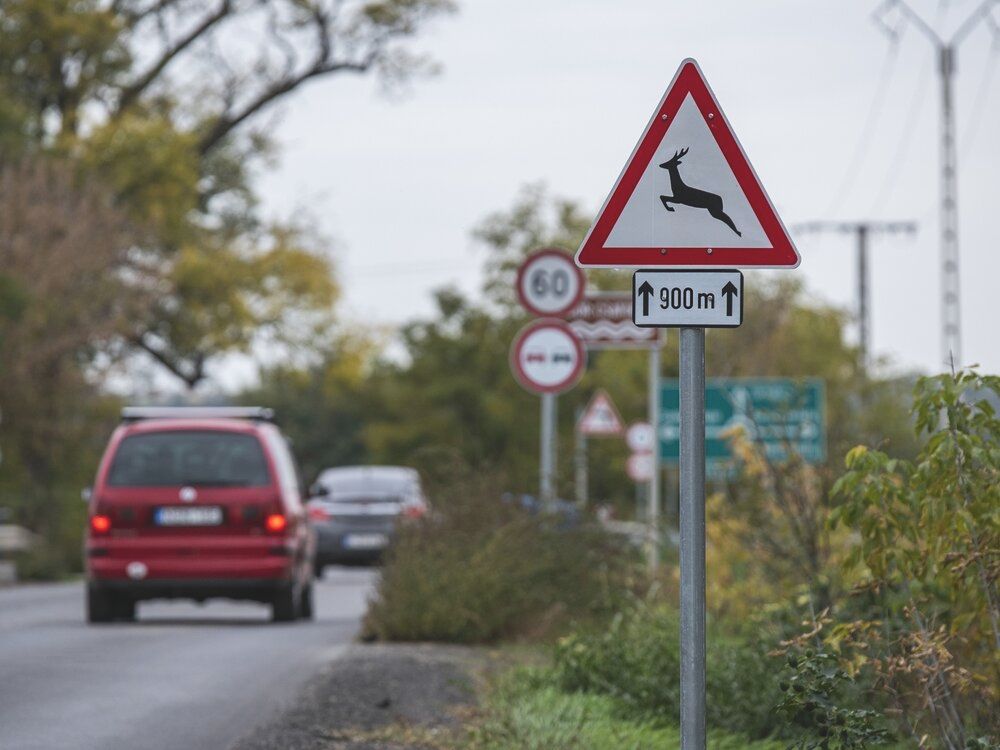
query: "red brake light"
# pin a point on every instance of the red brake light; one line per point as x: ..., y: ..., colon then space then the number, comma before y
x: 318, y: 513
x: 100, y: 524
x: 275, y: 523
x: 414, y: 510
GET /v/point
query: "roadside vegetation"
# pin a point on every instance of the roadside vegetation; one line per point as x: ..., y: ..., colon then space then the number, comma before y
x: 852, y: 603
x: 530, y: 710
x: 892, y: 643
x: 482, y: 568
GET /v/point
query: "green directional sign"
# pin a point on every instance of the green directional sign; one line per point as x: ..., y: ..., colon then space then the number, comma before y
x: 781, y: 414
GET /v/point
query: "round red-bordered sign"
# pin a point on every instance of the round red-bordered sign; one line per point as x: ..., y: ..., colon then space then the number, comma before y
x: 549, y: 282
x: 639, y: 467
x: 547, y: 356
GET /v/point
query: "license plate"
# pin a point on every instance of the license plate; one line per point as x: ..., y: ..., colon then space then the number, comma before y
x: 181, y: 516
x: 365, y: 541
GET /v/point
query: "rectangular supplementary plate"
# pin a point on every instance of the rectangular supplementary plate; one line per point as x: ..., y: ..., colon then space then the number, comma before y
x: 677, y: 298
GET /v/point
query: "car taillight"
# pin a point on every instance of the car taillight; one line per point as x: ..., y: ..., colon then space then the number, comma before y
x: 100, y: 524
x: 318, y: 513
x: 275, y: 523
x: 414, y: 510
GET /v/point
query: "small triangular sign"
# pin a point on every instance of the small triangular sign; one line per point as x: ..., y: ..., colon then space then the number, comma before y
x: 601, y: 418
x: 688, y: 196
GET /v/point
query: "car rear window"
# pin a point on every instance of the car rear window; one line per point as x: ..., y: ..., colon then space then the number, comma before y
x: 180, y: 457
x: 364, y: 497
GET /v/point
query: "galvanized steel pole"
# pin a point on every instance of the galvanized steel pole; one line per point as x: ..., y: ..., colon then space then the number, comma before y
x: 653, y: 501
x: 580, y: 479
x: 547, y: 459
x: 692, y: 528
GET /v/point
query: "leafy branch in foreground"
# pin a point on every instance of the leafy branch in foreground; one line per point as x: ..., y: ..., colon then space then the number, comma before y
x: 928, y: 557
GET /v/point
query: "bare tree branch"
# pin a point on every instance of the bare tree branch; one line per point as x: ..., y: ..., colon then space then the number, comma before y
x: 190, y: 375
x: 227, y: 123
x: 133, y: 91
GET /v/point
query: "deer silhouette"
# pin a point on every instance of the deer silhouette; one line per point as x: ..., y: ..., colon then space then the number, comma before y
x: 684, y: 195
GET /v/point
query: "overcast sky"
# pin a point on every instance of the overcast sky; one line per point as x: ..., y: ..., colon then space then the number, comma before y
x: 560, y: 90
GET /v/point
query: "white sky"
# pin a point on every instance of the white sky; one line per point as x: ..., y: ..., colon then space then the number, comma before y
x: 559, y: 91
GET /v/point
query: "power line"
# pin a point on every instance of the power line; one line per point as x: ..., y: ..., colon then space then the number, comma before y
x: 903, y: 144
x: 946, y: 52
x: 983, y: 92
x: 875, y: 109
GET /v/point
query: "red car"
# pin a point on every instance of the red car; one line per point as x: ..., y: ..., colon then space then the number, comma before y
x: 197, y: 503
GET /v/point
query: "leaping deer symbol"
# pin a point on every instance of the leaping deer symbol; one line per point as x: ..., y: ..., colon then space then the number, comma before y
x: 689, y: 196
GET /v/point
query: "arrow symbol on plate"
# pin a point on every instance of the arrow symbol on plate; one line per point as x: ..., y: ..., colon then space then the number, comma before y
x: 729, y: 291
x: 645, y: 291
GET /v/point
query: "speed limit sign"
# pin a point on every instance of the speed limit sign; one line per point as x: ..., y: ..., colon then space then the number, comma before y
x: 549, y: 282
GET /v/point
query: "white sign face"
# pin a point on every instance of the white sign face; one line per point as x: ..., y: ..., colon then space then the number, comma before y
x: 666, y: 298
x: 640, y: 437
x: 639, y: 467
x: 549, y: 283
x: 547, y: 357
x: 601, y: 418
x: 688, y: 155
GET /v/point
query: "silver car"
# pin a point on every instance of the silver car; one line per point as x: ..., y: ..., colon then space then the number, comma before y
x: 355, y: 509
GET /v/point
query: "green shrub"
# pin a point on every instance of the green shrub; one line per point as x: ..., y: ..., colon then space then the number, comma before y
x: 637, y: 661
x: 816, y: 701
x: 529, y: 711
x: 480, y: 570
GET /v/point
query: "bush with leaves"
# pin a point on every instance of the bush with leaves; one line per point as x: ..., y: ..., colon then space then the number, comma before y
x: 814, y: 687
x: 928, y: 559
x: 479, y: 569
x: 637, y: 661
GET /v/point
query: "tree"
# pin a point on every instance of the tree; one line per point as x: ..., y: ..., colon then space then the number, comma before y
x: 58, y: 239
x: 163, y: 99
x: 454, y: 397
x: 535, y: 220
x: 768, y: 526
x: 324, y: 406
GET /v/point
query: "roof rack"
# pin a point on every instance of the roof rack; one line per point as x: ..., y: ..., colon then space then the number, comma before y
x: 255, y: 413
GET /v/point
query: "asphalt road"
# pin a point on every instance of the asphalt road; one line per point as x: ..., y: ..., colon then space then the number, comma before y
x: 183, y: 676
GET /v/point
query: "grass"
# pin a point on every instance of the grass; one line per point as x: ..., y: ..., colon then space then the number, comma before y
x: 527, y: 712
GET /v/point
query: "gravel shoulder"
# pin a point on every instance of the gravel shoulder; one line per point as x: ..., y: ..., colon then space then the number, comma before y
x: 379, y: 697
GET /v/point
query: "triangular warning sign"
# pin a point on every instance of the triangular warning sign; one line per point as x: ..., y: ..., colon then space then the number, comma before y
x: 601, y: 418
x: 688, y: 196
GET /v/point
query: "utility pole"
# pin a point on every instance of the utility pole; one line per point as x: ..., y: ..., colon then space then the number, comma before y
x: 947, y: 54
x: 580, y: 479
x: 862, y: 231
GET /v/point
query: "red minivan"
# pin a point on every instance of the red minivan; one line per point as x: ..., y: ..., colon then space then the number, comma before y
x: 197, y: 503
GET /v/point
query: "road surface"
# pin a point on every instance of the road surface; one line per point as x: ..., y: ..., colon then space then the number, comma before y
x: 184, y: 676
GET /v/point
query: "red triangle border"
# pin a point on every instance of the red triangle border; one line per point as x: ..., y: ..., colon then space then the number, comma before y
x: 781, y: 253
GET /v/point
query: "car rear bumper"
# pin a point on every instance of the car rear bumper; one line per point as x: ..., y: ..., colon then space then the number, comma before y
x: 140, y: 560
x: 253, y: 589
x: 333, y: 543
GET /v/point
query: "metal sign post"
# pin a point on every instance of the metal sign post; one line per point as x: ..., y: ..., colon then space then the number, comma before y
x: 580, y: 480
x: 692, y: 529
x: 547, y: 448
x: 688, y: 200
x: 653, y: 499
